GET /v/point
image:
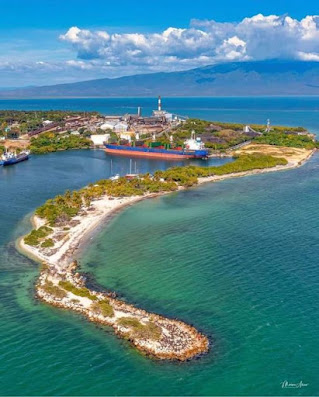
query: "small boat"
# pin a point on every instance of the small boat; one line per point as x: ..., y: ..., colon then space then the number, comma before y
x: 115, y: 177
x: 131, y: 176
x: 10, y: 158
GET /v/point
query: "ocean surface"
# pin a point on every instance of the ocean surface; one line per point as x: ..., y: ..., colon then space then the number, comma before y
x: 237, y: 259
x: 292, y: 111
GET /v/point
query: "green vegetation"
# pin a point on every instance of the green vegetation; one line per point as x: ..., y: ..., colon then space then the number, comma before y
x: 221, y: 136
x: 47, y: 243
x: 281, y: 139
x: 187, y: 176
x: 36, y: 235
x: 139, y: 330
x: 52, y: 142
x: 21, y: 122
x: 103, y: 307
x: 217, y: 136
x: 52, y: 289
x: 83, y: 292
x: 62, y: 208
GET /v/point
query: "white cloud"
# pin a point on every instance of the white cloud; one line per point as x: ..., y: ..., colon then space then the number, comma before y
x: 308, y: 56
x: 232, y: 49
x: 100, y: 53
x: 203, y: 42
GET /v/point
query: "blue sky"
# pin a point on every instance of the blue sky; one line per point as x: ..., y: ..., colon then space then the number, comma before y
x: 47, y: 42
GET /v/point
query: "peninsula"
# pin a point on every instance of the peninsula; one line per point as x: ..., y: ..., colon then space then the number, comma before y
x: 62, y: 224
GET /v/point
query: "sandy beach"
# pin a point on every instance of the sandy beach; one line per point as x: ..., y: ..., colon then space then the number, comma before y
x: 178, y: 340
x: 175, y: 339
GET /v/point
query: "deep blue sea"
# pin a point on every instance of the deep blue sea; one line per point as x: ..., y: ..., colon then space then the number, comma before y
x: 238, y: 259
x: 294, y: 111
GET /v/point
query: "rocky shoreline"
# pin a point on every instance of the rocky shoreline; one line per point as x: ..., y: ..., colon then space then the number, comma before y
x: 176, y: 340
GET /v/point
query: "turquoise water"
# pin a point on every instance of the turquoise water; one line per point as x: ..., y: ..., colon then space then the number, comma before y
x: 238, y: 259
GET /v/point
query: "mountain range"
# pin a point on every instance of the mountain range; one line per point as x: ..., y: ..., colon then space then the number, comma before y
x: 271, y: 77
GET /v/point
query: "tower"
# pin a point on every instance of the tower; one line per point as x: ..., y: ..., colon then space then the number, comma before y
x: 268, y: 126
x: 159, y: 103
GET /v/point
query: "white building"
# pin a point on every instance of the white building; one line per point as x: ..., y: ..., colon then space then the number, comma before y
x: 169, y: 116
x: 121, y: 127
x: 126, y: 135
x: 108, y: 125
x: 116, y: 126
x: 98, y: 140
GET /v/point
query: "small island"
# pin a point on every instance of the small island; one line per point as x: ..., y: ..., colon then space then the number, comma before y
x: 64, y: 222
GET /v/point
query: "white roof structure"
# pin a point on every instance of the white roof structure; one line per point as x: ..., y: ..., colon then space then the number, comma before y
x: 108, y: 125
x: 98, y: 140
x: 121, y: 127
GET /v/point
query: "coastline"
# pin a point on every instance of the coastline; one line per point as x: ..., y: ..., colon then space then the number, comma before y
x: 291, y: 165
x: 178, y: 341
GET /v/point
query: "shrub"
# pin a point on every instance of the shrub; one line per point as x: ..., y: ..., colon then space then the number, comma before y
x: 51, y: 142
x: 34, y: 237
x: 62, y: 208
x: 47, y: 243
x: 187, y: 176
x: 54, y: 290
x: 139, y: 330
x: 83, y: 292
x: 289, y: 140
x: 103, y: 307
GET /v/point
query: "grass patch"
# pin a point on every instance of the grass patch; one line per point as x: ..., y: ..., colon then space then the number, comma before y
x: 83, y: 292
x: 139, y: 330
x: 54, y: 290
x: 103, y: 307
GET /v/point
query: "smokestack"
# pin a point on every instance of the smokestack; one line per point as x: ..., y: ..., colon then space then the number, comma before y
x: 159, y: 103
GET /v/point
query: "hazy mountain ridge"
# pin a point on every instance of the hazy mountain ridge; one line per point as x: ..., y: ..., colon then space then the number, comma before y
x: 235, y: 78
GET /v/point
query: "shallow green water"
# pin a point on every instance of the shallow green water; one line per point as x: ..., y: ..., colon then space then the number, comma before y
x: 238, y: 259
x: 45, y: 351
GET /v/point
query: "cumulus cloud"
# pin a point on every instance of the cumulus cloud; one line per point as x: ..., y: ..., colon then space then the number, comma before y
x: 99, y: 53
x: 203, y: 42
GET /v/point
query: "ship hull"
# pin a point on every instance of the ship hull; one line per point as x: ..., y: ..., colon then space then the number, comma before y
x: 165, y: 154
x: 15, y: 160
